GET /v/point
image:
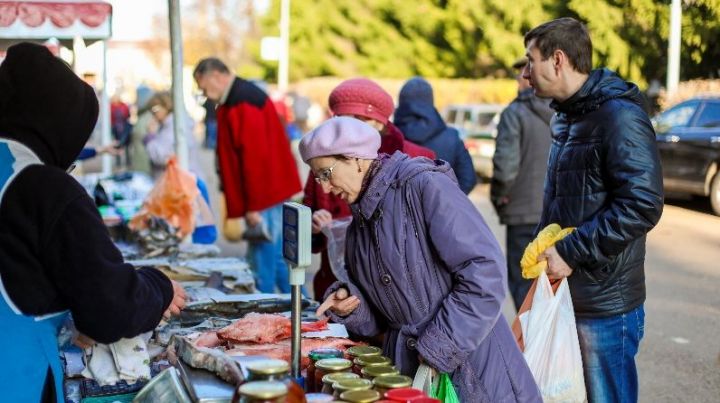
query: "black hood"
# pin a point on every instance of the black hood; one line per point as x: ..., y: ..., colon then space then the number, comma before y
x: 44, y: 105
x: 601, y: 86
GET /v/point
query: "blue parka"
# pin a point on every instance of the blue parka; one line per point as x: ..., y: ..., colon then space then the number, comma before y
x: 421, y: 123
x: 429, y: 272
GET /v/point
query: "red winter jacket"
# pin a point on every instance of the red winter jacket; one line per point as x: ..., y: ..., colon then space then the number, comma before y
x: 257, y: 168
x: 315, y: 198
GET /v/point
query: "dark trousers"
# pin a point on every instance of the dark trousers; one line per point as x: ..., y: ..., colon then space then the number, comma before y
x: 517, y: 239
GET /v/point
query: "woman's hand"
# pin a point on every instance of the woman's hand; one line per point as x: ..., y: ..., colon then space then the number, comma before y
x: 340, y: 303
x: 178, y: 301
x: 320, y: 218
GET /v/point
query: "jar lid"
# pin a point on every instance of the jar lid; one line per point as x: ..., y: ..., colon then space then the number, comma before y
x: 268, y: 367
x: 322, y: 353
x: 426, y: 400
x: 318, y: 398
x: 393, y: 381
x: 374, y: 372
x: 358, y: 351
x: 333, y: 364
x: 403, y: 394
x: 373, y: 361
x: 343, y: 385
x: 336, y: 376
x: 263, y: 390
x: 360, y: 396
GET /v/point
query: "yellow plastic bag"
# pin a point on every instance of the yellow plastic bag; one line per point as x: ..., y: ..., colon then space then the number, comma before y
x: 232, y: 228
x: 171, y: 199
x: 531, y: 267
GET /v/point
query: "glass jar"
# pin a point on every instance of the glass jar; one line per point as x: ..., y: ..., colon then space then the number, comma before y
x: 358, y: 351
x: 261, y: 392
x: 345, y: 385
x: 403, y: 394
x: 370, y: 361
x: 360, y: 396
x: 315, y: 356
x: 328, y: 366
x: 276, y: 370
x: 330, y: 379
x: 389, y: 382
x: 373, y: 372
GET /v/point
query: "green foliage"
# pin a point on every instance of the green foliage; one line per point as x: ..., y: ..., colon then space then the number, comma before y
x: 482, y: 38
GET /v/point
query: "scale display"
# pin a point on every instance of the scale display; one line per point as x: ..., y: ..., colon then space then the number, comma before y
x: 296, y: 234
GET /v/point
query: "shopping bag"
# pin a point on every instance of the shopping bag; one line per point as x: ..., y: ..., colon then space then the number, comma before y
x: 335, y: 234
x: 172, y: 199
x: 232, y: 228
x: 445, y: 391
x: 552, y: 349
x: 425, y: 379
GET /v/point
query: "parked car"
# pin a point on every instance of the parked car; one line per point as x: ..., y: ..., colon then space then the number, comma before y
x: 688, y: 136
x: 477, y: 125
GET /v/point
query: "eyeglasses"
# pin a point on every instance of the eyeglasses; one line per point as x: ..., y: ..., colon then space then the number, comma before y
x: 325, y: 174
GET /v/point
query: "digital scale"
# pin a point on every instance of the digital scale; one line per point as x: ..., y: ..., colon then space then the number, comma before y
x: 297, y: 244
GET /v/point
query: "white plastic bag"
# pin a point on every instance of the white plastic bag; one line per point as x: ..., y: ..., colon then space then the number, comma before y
x: 425, y: 379
x: 552, y: 349
x: 335, y: 234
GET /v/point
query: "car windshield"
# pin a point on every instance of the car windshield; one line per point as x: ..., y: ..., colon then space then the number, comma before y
x: 677, y: 116
x: 710, y: 115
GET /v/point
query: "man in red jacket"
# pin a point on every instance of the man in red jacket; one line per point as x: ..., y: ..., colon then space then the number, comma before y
x: 257, y: 170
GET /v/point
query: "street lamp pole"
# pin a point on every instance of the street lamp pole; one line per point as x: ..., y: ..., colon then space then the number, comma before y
x: 673, y: 68
x: 284, y: 61
x: 176, y: 49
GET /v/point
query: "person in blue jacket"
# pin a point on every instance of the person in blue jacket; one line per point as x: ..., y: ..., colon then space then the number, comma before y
x: 421, y: 123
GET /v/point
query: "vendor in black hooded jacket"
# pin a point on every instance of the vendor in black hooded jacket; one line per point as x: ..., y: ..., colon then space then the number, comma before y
x: 56, y: 256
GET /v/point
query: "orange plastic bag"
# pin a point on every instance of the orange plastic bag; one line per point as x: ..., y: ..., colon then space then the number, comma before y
x: 171, y: 199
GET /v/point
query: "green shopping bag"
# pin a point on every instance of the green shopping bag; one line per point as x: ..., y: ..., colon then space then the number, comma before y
x: 445, y: 390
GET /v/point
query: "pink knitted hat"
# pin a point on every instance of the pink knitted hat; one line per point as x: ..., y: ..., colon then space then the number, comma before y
x: 361, y: 97
x: 341, y: 136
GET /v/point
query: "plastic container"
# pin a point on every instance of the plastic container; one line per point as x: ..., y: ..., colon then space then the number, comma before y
x: 404, y: 394
x: 261, y: 392
x: 389, y: 382
x: 345, y: 385
x: 360, y: 396
x: 330, y: 379
x: 317, y: 355
x: 374, y: 372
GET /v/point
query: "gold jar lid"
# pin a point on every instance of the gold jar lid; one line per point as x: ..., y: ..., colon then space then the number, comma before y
x: 374, y: 372
x: 360, y: 396
x: 336, y: 376
x: 333, y: 364
x: 263, y: 390
x: 344, y: 385
x: 359, y: 351
x: 268, y: 367
x: 373, y: 361
x: 392, y: 381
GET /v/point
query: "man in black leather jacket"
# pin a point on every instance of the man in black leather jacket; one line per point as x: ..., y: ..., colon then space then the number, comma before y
x: 604, y: 178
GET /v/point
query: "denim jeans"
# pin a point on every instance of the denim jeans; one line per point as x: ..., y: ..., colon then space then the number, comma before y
x: 517, y: 239
x: 608, y: 347
x: 266, y: 258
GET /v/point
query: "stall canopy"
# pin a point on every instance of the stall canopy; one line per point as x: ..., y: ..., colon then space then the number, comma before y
x: 63, y: 20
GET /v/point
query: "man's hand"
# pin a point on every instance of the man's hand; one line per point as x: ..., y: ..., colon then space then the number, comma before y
x: 178, y: 301
x: 253, y: 218
x: 320, y: 219
x: 340, y: 303
x: 557, y: 268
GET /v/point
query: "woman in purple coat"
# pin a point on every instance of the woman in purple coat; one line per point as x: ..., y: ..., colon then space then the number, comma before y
x: 423, y: 264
